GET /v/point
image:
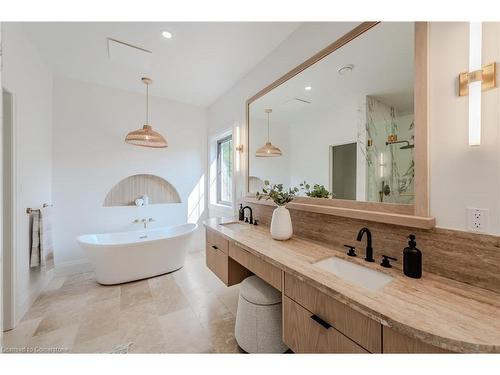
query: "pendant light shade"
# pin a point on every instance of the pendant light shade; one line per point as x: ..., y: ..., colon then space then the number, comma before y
x: 268, y: 150
x: 146, y: 137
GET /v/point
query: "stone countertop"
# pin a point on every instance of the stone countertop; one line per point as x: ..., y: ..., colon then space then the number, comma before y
x: 449, y: 314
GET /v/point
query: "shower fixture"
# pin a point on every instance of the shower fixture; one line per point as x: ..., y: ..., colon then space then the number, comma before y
x: 406, y: 147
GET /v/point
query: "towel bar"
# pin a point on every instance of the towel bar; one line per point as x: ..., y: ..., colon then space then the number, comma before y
x: 31, y: 210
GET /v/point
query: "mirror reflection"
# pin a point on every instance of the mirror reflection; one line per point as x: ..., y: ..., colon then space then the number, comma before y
x: 346, y: 122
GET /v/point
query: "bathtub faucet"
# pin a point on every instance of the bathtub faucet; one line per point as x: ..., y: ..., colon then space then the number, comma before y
x: 144, y: 221
x: 147, y: 221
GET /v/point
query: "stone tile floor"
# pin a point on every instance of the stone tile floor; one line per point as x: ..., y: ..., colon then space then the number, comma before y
x: 187, y: 311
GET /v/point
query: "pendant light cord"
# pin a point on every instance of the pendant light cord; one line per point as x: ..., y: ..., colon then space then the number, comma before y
x: 268, y: 114
x: 147, y: 104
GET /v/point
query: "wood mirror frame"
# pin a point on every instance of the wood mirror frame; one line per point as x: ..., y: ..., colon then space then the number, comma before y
x: 416, y: 215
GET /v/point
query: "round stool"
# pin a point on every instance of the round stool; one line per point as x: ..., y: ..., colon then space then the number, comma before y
x: 258, y: 318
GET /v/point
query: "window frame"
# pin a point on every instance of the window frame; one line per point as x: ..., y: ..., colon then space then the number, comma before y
x: 220, y: 142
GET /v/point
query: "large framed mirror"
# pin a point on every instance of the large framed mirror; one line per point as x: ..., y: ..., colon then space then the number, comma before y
x: 353, y: 119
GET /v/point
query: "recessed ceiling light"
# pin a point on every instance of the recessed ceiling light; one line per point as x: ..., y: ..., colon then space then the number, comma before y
x: 166, y: 34
x: 308, y: 88
x: 345, y: 69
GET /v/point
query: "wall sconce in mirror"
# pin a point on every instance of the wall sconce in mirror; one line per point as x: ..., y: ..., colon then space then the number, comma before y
x: 478, y: 79
x: 383, y: 174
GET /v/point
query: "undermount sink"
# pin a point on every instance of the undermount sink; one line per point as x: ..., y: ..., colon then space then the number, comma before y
x: 236, y: 225
x: 355, y: 274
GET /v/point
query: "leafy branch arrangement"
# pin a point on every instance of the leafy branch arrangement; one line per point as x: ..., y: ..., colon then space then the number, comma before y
x: 276, y: 192
x: 281, y: 196
x: 318, y: 191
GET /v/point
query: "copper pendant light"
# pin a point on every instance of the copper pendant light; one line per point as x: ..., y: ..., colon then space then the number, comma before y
x: 268, y: 150
x: 146, y: 137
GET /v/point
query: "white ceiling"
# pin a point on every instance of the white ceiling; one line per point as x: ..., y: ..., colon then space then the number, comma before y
x: 201, y: 62
x: 383, y: 60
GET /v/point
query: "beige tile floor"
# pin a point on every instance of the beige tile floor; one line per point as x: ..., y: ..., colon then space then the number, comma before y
x: 187, y: 311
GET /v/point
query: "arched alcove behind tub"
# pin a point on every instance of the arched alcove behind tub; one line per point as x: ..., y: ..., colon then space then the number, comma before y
x: 129, y: 189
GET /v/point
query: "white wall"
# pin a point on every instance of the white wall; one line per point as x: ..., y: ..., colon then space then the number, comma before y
x: 311, y: 159
x: 460, y: 176
x: 26, y: 76
x: 90, y: 157
x: 275, y: 169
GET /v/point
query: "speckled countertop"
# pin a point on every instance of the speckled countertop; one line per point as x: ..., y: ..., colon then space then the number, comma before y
x: 436, y: 310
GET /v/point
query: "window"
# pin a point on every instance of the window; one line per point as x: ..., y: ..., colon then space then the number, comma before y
x: 225, y: 171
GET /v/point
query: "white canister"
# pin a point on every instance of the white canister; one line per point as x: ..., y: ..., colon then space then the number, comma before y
x: 281, y: 224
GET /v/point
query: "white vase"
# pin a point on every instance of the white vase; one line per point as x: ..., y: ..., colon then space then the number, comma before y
x: 281, y: 224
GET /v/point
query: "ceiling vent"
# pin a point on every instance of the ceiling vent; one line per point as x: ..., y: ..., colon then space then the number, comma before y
x: 295, y: 104
x: 127, y: 54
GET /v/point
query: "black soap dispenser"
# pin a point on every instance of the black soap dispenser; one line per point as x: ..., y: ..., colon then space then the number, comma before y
x: 241, y: 213
x: 412, y: 259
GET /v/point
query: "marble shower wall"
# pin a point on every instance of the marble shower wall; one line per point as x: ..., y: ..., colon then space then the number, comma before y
x: 397, y: 166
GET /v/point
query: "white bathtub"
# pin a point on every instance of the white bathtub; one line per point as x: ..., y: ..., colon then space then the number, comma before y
x: 120, y: 257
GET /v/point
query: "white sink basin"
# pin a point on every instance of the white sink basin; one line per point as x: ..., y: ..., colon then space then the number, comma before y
x: 355, y: 274
x: 236, y: 225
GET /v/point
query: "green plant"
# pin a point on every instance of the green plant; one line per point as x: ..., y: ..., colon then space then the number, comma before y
x: 277, y: 193
x: 318, y: 191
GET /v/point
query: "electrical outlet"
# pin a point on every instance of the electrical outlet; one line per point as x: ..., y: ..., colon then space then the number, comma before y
x: 477, y: 219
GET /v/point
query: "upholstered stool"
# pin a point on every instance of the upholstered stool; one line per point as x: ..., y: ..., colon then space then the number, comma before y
x: 258, y: 319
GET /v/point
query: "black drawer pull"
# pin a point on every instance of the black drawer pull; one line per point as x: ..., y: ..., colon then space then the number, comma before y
x: 321, y: 322
x: 215, y: 247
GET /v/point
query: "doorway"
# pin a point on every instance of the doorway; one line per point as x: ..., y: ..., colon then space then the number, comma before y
x: 343, y: 170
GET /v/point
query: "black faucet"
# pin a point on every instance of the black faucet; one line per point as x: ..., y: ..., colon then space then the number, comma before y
x: 241, y: 213
x: 369, y: 248
x: 251, y: 214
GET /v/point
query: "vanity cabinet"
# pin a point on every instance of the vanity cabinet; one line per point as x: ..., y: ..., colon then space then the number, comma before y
x: 395, y: 342
x: 305, y: 303
x: 217, y: 241
x: 226, y: 269
x: 217, y: 261
x: 313, y: 322
x: 266, y: 271
x: 303, y: 334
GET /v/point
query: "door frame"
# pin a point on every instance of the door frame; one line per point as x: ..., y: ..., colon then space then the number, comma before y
x: 9, y: 262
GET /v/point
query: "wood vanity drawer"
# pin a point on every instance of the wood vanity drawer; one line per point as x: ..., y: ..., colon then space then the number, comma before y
x: 303, y: 334
x: 395, y: 342
x: 229, y: 271
x: 217, y: 262
x: 217, y: 240
x: 264, y: 270
x: 363, y: 330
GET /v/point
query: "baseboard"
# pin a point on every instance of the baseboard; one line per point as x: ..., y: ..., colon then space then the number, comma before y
x: 72, y: 267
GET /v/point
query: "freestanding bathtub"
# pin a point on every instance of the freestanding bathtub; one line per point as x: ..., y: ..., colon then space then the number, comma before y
x: 120, y: 257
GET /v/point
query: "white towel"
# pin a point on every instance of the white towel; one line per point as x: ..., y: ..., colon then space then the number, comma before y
x: 47, y: 246
x: 35, y: 240
x: 42, y: 251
